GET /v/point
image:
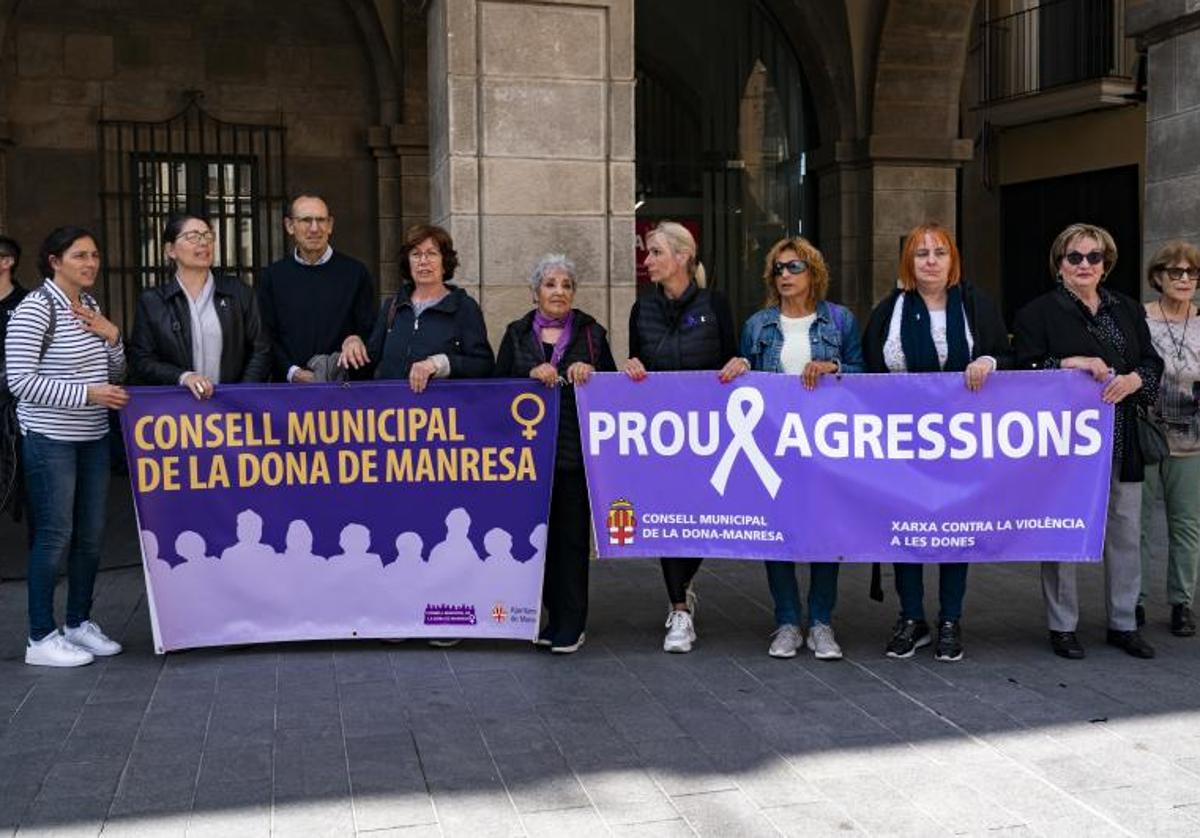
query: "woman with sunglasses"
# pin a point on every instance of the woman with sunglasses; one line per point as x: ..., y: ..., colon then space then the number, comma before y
x: 1172, y: 319
x: 798, y: 332
x: 197, y: 329
x: 933, y: 322
x: 1080, y: 325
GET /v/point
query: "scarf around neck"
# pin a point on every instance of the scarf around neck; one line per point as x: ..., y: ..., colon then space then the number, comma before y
x: 916, y: 334
x: 541, y: 321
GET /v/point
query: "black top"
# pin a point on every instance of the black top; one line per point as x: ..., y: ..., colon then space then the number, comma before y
x: 520, y: 352
x: 1058, y: 325
x: 160, y: 346
x: 452, y: 326
x: 310, y: 309
x: 988, y: 333
x: 693, y: 332
x: 7, y: 306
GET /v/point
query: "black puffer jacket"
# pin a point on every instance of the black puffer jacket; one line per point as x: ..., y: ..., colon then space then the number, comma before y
x: 453, y: 326
x: 160, y: 347
x: 693, y: 332
x: 520, y: 352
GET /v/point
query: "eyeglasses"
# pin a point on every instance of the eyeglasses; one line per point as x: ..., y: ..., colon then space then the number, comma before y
x: 1190, y: 274
x: 196, y: 237
x: 792, y: 266
x: 312, y: 221
x: 424, y: 255
x: 937, y: 252
x: 1093, y: 258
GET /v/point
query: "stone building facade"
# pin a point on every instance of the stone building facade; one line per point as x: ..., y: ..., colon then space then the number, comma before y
x: 526, y: 127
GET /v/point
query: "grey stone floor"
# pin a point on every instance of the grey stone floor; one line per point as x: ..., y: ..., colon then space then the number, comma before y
x: 620, y: 739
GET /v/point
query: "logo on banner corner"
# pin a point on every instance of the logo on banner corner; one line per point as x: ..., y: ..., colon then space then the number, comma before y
x: 499, y: 613
x: 622, y: 522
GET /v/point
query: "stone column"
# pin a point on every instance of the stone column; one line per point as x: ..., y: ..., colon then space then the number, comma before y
x: 531, y: 147
x: 1170, y: 31
x: 401, y: 163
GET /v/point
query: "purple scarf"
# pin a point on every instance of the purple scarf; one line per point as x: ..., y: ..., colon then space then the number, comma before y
x: 541, y: 321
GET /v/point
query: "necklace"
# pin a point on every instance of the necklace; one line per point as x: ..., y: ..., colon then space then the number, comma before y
x: 1178, y: 344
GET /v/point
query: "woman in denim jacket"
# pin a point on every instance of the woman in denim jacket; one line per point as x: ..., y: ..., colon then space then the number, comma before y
x: 798, y: 332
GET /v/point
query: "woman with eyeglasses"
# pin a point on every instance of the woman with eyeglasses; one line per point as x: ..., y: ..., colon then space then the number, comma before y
x: 198, y: 329
x: 680, y: 325
x: 1175, y: 332
x: 935, y: 321
x: 798, y: 332
x: 1081, y: 325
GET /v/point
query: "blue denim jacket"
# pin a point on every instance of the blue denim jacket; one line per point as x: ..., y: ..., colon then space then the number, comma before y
x: 833, y: 336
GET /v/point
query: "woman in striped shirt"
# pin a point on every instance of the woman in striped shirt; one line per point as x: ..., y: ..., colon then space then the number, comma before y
x: 63, y: 356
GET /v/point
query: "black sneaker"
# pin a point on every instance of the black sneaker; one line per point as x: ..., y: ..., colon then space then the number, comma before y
x: 907, y: 637
x: 1131, y: 643
x: 1183, y: 624
x: 1066, y: 645
x: 949, y: 641
x: 1139, y: 614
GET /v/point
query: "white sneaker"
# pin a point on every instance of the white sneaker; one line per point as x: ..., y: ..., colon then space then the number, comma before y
x: 55, y: 650
x: 87, y: 635
x: 681, y: 632
x: 822, y: 643
x: 786, y: 640
x: 691, y: 599
x: 445, y: 642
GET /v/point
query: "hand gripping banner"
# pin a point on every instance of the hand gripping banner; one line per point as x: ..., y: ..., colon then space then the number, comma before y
x: 327, y: 511
x: 865, y: 468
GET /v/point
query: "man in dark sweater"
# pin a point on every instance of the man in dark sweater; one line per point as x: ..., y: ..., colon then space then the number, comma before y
x: 10, y: 292
x: 315, y: 298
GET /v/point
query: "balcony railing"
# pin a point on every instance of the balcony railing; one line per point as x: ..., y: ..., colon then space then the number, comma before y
x: 1054, y: 44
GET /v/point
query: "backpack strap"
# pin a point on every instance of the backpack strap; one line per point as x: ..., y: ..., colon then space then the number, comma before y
x: 48, y: 337
x: 393, y: 307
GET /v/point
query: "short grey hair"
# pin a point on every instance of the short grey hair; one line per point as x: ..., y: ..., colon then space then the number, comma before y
x: 551, y: 262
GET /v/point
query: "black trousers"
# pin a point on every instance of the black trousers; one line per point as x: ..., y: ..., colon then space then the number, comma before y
x: 678, y: 574
x: 565, y: 589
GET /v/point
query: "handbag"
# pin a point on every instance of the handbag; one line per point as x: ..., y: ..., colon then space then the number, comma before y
x: 1152, y: 439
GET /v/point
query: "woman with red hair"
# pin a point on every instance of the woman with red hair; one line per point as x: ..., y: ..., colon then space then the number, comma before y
x: 934, y: 322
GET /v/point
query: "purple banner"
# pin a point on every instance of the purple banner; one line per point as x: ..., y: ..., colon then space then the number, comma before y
x: 327, y: 511
x: 897, y: 468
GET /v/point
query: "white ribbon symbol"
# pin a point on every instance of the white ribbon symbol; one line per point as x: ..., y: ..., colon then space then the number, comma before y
x: 742, y: 412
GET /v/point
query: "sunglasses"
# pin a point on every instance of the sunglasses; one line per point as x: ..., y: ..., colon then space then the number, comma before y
x: 1192, y: 274
x: 793, y: 266
x: 1093, y: 258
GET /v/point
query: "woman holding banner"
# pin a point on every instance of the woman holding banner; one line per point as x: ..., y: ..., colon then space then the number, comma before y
x: 1080, y: 325
x: 63, y: 356
x: 1174, y: 272
x: 559, y: 345
x: 197, y: 329
x: 799, y: 332
x: 429, y: 329
x: 680, y: 325
x: 934, y: 322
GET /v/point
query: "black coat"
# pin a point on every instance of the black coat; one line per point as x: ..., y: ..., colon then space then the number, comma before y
x: 453, y: 326
x: 983, y: 319
x: 694, y: 332
x: 160, y: 347
x: 1052, y: 327
x: 520, y: 352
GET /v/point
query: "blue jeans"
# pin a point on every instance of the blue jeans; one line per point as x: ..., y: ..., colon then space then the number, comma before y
x: 822, y: 592
x: 952, y: 587
x: 67, y: 483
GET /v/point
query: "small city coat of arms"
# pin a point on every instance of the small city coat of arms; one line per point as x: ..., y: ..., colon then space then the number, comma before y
x: 622, y: 522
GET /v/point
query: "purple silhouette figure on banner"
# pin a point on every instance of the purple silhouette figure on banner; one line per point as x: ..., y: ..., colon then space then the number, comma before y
x: 409, y: 547
x: 249, y: 539
x: 355, y: 541
x: 456, y: 548
x: 190, y: 547
x: 298, y: 543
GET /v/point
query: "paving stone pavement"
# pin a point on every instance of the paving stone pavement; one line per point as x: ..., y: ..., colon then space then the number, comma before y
x: 497, y: 738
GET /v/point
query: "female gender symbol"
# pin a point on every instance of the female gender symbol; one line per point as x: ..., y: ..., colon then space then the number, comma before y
x: 528, y: 421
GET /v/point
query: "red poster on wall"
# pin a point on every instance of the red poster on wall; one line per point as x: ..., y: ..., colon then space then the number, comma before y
x: 643, y: 226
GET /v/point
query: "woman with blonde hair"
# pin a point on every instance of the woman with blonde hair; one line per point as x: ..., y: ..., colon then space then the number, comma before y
x: 1081, y: 325
x: 1173, y: 273
x: 680, y: 325
x: 798, y: 332
x: 934, y: 322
